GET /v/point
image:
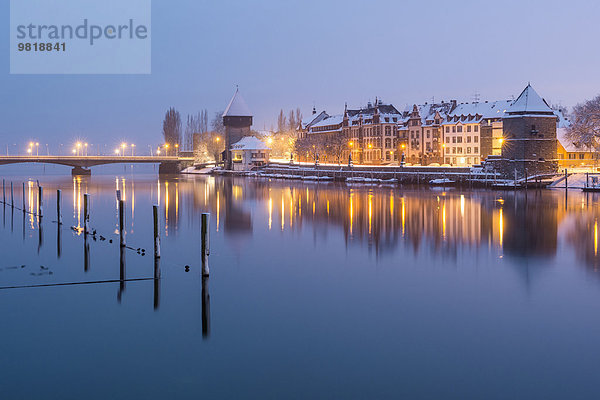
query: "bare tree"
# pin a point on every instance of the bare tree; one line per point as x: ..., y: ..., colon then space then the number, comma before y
x: 335, y: 145
x: 214, y: 143
x: 584, y: 130
x: 281, y: 122
x: 172, y: 127
x: 217, y: 123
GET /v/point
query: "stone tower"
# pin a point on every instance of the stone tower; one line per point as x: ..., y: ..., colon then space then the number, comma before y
x: 237, y: 120
x: 529, y: 127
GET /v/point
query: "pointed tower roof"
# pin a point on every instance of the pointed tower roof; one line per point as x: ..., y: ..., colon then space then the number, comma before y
x: 529, y: 102
x: 237, y: 106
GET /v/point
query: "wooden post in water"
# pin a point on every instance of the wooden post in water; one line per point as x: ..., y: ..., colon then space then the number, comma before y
x: 156, y: 232
x: 122, y: 222
x: 587, y: 179
x: 58, y: 201
x: 40, y: 201
x: 12, y: 197
x: 204, y: 235
x: 515, y: 179
x: 86, y: 213
x: 566, y: 179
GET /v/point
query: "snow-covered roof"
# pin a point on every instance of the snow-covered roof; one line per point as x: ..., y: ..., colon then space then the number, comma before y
x: 332, y: 120
x: 529, y: 102
x: 237, y: 107
x: 249, y: 143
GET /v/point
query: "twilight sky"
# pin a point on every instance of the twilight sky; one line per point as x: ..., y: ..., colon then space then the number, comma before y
x: 287, y: 54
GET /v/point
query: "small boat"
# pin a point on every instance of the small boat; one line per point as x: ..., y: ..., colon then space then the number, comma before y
x: 442, y: 182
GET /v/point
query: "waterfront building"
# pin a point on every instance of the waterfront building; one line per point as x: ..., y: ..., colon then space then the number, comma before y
x: 529, y: 132
x: 444, y: 133
x: 237, y: 120
x: 248, y: 153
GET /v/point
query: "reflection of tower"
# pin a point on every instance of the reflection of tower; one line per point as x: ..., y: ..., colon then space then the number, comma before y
x: 237, y: 120
x: 237, y: 221
x: 530, y: 228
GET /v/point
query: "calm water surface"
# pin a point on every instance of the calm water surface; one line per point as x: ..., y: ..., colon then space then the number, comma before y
x: 316, y: 291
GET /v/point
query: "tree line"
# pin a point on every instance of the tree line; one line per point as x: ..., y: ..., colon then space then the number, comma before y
x: 205, y: 140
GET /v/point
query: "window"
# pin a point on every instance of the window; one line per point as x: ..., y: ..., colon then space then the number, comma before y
x: 447, y: 129
x: 571, y: 156
x: 475, y: 139
x: 453, y: 139
x: 475, y: 150
x: 459, y: 139
x: 454, y: 150
x: 454, y: 129
x: 387, y: 155
x: 447, y: 139
x: 459, y: 150
x: 459, y: 128
x: 388, y: 130
x: 468, y: 150
x: 476, y: 128
x: 561, y: 156
x: 447, y: 150
x: 468, y: 139
x: 387, y: 119
x: 468, y: 128
x: 388, y: 142
x: 581, y: 156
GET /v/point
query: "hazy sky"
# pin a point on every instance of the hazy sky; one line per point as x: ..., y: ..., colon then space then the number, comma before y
x: 287, y: 54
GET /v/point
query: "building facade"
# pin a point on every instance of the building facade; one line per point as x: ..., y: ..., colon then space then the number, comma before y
x: 237, y: 120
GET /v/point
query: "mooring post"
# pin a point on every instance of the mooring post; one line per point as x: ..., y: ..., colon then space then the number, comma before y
x: 156, y: 232
x: 40, y: 201
x: 587, y: 179
x: 122, y: 222
x: 86, y: 213
x: 58, y: 201
x: 118, y: 195
x: 515, y: 179
x: 205, y: 243
x: 566, y: 179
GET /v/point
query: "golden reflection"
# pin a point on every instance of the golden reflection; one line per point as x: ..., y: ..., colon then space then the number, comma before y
x: 328, y: 207
x: 218, y: 211
x: 270, y: 212
x: 444, y: 221
x: 596, y: 237
x: 500, y: 227
x: 282, y: 214
x: 158, y: 192
x: 403, y: 217
x: 462, y: 205
x: 166, y: 204
x: 176, y: 201
x: 370, y: 200
x: 351, y: 211
x: 392, y: 206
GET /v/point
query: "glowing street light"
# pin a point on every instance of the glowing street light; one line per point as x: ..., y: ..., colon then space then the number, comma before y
x: 117, y: 151
x: 132, y: 146
x: 270, y: 140
x: 350, y: 143
x: 29, y: 150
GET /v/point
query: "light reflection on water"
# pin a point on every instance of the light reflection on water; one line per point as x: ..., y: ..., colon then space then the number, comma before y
x: 335, y: 282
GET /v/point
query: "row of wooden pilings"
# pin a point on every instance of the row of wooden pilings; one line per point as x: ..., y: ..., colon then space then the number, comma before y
x: 204, y: 232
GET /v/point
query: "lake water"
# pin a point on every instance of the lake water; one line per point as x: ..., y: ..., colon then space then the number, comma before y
x: 315, y: 291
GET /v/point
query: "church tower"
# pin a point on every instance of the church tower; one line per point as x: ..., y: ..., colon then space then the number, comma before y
x: 529, y: 143
x: 237, y: 120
